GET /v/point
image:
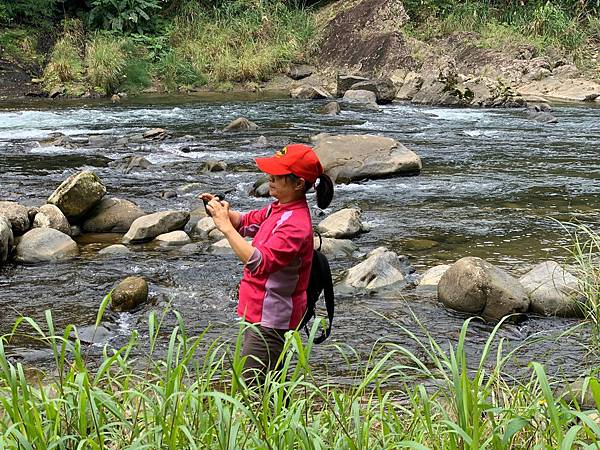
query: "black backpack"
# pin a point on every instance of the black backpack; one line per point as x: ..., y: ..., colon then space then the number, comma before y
x: 320, y: 282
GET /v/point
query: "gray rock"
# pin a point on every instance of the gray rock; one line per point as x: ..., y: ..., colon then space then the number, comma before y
x: 354, y: 157
x: 155, y: 134
x: 344, y: 223
x: 172, y: 239
x: 78, y: 194
x: 330, y: 109
x: 475, y: 286
x: 262, y: 142
x: 168, y: 194
x: 299, y: 71
x: 241, y: 124
x: 6, y: 240
x: 412, y: 84
x: 358, y: 96
x: 260, y: 188
x: 204, y: 227
x: 116, y: 249
x: 190, y: 249
x: 32, y: 212
x: 538, y: 114
x: 221, y: 247
x: 17, y: 215
x: 383, y: 270
x: 130, y: 163
x: 383, y: 88
x: 307, y: 92
x: 49, y: 216
x: 44, y: 245
x: 129, y: 294
x: 215, y: 234
x: 147, y: 227
x: 336, y: 248
x: 90, y: 334
x: 431, y: 278
x: 212, y: 165
x: 345, y: 82
x: 553, y: 291
x: 112, y: 215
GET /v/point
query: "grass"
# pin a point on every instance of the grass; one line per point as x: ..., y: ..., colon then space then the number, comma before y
x: 106, y: 62
x: 18, y: 45
x: 195, y: 397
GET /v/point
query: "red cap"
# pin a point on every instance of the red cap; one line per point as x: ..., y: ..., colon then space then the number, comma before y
x: 299, y: 159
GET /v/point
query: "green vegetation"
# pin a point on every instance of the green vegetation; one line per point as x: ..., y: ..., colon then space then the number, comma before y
x: 193, y: 398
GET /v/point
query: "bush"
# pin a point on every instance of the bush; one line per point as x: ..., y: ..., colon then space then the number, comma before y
x: 65, y: 62
x: 106, y: 62
x: 124, y: 15
x: 32, y: 12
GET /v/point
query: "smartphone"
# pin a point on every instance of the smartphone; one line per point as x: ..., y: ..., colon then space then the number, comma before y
x: 221, y: 197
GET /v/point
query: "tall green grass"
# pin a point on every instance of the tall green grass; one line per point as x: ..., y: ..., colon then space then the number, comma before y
x: 192, y: 395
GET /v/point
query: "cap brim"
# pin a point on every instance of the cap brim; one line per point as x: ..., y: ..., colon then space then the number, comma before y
x: 272, y: 166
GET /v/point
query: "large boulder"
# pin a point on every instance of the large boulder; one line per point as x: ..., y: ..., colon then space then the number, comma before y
x: 204, y: 226
x: 345, y: 82
x: 6, y: 239
x: 355, y: 157
x: 147, y: 227
x: 553, y: 291
x: 17, y: 215
x: 78, y: 194
x: 411, y: 85
x: 129, y: 294
x: 383, y: 88
x: 344, y: 223
x: 49, y: 216
x: 335, y: 248
x: 112, y: 215
x: 383, y: 270
x: 299, y: 71
x: 360, y: 96
x: 45, y: 244
x: 475, y: 286
x: 307, y: 92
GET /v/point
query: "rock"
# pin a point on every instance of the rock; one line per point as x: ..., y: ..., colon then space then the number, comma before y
x: 174, y: 238
x: 262, y: 141
x: 306, y: 92
x: 196, y: 215
x: 112, y: 215
x: 75, y: 231
x: 49, y: 216
x: 474, y: 286
x: 45, y: 244
x: 355, y: 157
x: 241, y: 124
x: 335, y: 248
x: 215, y: 234
x: 130, y: 163
x: 260, y: 188
x: 129, y: 294
x: 190, y: 249
x: 553, y: 291
x: 115, y: 98
x: 591, y: 97
x: 535, y: 113
x: 156, y: 134
x: 32, y: 212
x: 344, y: 223
x: 330, y: 109
x: 147, y: 227
x: 57, y: 92
x: 345, y: 82
x: 90, y: 334
x: 383, y: 88
x: 222, y: 247
x: 382, y: 270
x: 116, y: 249
x: 431, y: 278
x: 212, y: 165
x: 353, y: 96
x: 78, y: 194
x: 17, y: 215
x: 204, y: 227
x: 412, y: 84
x: 168, y: 194
x: 299, y: 71
x: 6, y: 240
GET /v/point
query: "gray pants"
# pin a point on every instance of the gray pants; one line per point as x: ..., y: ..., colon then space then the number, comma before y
x: 262, y: 348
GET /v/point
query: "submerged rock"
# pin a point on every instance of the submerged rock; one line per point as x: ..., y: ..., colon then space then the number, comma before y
x: 344, y: 223
x: 78, y: 194
x: 129, y: 294
x: 212, y: 165
x: 241, y: 124
x: 147, y: 227
x: 115, y: 249
x: 112, y: 215
x: 6, y: 240
x: 155, y: 134
x: 17, y: 215
x: 553, y: 291
x: 130, y: 163
x: 49, y: 216
x: 475, y: 286
x: 330, y: 109
x: 383, y: 270
x: 174, y: 238
x: 44, y: 245
x: 260, y: 188
x: 354, y: 157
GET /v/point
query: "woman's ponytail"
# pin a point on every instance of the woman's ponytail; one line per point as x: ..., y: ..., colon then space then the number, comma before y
x: 324, y: 191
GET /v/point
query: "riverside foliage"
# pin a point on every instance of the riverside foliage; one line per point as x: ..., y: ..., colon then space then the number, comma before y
x: 194, y: 397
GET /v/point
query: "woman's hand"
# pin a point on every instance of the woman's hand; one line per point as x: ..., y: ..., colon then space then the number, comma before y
x: 219, y: 211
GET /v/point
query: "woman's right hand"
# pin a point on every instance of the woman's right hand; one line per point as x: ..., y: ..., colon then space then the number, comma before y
x: 206, y: 196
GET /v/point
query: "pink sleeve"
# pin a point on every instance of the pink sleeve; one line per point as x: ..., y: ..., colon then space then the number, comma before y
x: 250, y: 222
x: 279, y: 250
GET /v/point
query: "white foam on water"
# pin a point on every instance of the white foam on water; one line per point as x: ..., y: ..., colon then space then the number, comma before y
x: 457, y: 115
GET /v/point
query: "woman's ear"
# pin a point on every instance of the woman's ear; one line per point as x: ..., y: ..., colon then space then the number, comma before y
x: 300, y: 184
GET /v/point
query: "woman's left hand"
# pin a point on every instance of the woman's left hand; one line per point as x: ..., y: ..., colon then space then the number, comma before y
x: 219, y: 211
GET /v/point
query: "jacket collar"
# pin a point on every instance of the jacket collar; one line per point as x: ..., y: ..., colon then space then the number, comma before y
x: 297, y: 204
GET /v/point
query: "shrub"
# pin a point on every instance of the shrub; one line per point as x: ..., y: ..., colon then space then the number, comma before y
x: 106, y: 62
x: 124, y: 15
x: 65, y: 62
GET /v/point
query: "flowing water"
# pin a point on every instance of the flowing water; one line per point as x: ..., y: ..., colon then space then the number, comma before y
x: 494, y: 184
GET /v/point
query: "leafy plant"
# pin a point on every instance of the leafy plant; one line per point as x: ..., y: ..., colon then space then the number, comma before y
x: 124, y: 16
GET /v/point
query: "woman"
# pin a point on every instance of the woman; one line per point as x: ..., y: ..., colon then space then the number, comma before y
x: 272, y: 292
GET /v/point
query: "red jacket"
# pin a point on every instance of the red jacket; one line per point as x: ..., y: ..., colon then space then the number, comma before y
x: 273, y: 288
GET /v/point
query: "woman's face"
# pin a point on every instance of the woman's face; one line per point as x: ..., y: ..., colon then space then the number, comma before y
x: 282, y: 188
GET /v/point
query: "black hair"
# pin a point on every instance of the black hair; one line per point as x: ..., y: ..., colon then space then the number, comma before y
x: 324, y: 189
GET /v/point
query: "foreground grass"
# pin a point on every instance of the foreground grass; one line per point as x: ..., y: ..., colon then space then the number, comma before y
x: 193, y: 398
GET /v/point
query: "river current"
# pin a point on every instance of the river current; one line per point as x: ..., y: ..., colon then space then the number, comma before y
x: 494, y: 184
